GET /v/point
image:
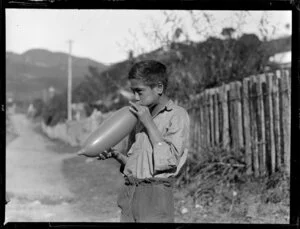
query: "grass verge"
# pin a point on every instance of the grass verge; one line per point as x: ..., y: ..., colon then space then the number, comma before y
x: 215, y: 189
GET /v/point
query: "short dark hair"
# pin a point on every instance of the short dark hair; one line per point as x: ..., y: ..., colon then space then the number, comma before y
x: 151, y: 72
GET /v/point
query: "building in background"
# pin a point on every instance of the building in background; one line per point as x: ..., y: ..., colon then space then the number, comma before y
x: 283, y: 59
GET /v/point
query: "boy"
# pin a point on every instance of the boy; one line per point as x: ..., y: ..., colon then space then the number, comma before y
x: 157, y: 147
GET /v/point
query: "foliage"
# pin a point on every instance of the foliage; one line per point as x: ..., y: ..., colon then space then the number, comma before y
x: 194, y: 66
x: 214, y: 62
x: 100, y: 89
x: 91, y: 89
x: 218, y: 175
x: 216, y: 171
x: 276, y: 188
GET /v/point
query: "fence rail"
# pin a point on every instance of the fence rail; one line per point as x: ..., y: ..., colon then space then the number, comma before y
x: 252, y: 115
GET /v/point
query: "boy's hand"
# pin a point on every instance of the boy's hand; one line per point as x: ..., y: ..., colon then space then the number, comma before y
x: 142, y: 112
x: 107, y: 154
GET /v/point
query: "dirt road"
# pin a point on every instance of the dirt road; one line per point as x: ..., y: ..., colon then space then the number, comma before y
x: 36, y: 187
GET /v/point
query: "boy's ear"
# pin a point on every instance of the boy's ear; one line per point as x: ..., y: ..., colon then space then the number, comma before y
x: 160, y: 88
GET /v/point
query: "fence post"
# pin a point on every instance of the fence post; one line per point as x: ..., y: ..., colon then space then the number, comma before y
x: 190, y: 109
x: 225, y: 127
x: 194, y: 127
x: 276, y: 116
x: 261, y: 125
x: 247, y: 127
x: 286, y: 117
x: 238, y: 108
x: 199, y: 124
x: 271, y: 154
x: 211, y: 117
x: 232, y: 132
x: 236, y: 116
x: 203, y: 123
x: 216, y: 111
x: 207, y: 120
x: 253, y: 125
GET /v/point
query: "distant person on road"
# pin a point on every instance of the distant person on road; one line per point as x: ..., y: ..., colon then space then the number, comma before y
x: 157, y: 147
x: 31, y: 111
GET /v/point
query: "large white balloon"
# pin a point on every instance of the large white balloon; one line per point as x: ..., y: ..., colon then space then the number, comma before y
x: 109, y: 133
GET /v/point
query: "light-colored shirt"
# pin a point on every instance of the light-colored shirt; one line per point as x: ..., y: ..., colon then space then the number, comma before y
x: 166, y: 158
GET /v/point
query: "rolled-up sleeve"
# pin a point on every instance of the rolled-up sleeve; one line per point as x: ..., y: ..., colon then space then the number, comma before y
x: 167, y: 154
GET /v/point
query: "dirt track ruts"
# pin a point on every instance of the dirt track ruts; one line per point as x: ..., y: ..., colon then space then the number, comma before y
x: 35, y: 185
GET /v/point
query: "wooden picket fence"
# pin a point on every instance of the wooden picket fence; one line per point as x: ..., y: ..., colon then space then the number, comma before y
x: 252, y: 116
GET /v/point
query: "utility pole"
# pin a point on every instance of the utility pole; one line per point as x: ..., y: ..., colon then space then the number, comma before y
x: 70, y: 82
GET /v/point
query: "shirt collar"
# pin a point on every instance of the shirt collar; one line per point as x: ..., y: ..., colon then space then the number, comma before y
x: 167, y: 107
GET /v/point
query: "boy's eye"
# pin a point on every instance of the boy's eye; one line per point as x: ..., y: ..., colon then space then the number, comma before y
x: 136, y: 91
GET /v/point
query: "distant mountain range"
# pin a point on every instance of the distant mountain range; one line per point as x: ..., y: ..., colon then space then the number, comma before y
x: 28, y: 74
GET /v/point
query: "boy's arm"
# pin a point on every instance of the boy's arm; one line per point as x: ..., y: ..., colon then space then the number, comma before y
x: 153, y: 133
x: 145, y: 117
x: 117, y: 155
x: 122, y: 159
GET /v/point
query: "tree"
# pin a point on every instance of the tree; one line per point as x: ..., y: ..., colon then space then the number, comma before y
x: 195, y: 66
x: 94, y: 87
x: 228, y: 32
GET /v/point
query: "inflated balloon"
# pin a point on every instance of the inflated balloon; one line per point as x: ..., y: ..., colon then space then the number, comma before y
x: 109, y: 133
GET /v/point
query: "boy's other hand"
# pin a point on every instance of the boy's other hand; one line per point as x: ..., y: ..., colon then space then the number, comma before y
x: 142, y: 112
x: 112, y: 152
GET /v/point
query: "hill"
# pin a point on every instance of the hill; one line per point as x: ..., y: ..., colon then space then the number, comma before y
x: 29, y: 73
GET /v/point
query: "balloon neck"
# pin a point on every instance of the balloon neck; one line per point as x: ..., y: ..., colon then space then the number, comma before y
x: 81, y: 152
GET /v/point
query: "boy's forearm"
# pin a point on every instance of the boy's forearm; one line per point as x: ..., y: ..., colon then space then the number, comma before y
x: 122, y: 159
x: 154, y: 134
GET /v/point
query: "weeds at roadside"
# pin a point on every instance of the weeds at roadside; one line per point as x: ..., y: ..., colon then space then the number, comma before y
x: 217, y: 180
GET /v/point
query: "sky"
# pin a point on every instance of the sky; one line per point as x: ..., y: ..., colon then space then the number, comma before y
x: 107, y: 35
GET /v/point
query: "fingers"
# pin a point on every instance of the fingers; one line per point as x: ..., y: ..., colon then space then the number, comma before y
x: 136, y: 106
x: 133, y: 110
x: 101, y: 157
x: 105, y: 155
x: 114, y: 152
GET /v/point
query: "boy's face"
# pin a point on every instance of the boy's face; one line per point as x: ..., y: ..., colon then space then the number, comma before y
x: 144, y: 94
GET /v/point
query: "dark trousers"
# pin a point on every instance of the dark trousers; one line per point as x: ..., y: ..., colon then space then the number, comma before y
x: 147, y: 200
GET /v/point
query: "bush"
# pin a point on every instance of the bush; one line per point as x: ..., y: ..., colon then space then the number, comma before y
x: 276, y: 188
x: 219, y: 176
x: 217, y: 172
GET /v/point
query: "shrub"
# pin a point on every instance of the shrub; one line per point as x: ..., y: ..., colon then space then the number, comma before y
x: 218, y: 171
x: 276, y: 188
